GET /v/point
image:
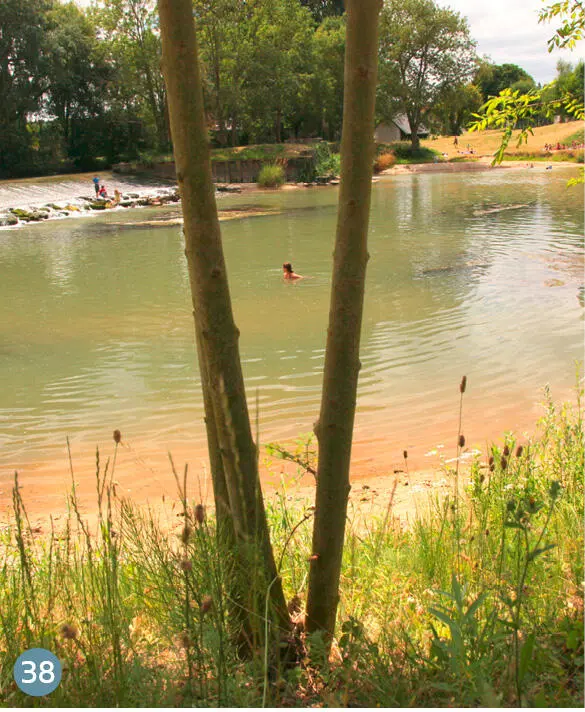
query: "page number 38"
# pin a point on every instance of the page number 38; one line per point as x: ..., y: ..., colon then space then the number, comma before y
x: 37, y: 672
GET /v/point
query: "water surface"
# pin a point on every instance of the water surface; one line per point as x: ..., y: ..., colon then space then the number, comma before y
x: 478, y: 274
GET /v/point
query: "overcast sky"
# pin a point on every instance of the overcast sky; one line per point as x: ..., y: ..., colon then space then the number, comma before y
x: 508, y: 32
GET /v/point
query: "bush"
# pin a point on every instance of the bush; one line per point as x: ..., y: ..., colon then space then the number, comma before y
x: 384, y: 161
x: 405, y: 153
x: 271, y: 176
x: 327, y: 163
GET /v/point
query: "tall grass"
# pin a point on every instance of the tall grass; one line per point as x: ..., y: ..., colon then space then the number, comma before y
x: 479, y: 602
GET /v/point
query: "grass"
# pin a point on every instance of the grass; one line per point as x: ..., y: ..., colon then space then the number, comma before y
x: 404, y: 153
x: 271, y: 176
x: 478, y: 603
x: 485, y: 143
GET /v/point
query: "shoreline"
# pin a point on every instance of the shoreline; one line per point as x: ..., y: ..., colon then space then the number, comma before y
x: 162, y: 193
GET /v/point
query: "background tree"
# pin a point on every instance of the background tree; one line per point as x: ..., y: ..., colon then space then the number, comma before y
x: 78, y: 78
x: 327, y: 77
x: 454, y: 109
x: 491, y: 79
x: 279, y: 67
x: 24, y: 62
x: 423, y: 50
x: 320, y: 9
x: 129, y: 28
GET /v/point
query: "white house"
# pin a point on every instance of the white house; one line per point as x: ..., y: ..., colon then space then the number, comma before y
x: 398, y: 129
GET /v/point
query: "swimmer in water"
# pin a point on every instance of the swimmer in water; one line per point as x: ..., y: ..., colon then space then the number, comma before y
x: 288, y: 273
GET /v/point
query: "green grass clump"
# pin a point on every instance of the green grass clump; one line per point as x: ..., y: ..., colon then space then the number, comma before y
x: 271, y: 176
x: 478, y: 602
x: 259, y: 152
x: 405, y: 153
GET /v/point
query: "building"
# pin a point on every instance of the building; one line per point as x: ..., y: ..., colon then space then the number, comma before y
x: 398, y: 129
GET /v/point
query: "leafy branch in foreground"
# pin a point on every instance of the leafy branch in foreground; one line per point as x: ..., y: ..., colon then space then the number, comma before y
x: 512, y: 109
x: 573, y: 27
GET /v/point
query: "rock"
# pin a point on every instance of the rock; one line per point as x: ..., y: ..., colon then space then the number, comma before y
x: 134, y: 196
x: 72, y: 208
x: 8, y: 220
x: 20, y: 213
x: 97, y: 205
x: 226, y: 189
x: 39, y: 215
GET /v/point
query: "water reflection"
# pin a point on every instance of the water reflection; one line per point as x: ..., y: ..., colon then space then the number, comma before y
x: 96, y: 329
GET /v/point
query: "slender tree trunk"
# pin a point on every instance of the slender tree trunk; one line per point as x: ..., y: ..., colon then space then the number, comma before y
x: 225, y: 398
x: 334, y: 429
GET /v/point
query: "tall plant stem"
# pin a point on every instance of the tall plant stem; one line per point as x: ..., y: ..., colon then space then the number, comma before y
x: 334, y: 429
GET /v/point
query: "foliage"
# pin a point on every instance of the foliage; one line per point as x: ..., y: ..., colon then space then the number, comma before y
x: 454, y: 109
x: 327, y: 163
x: 321, y: 9
x: 404, y: 152
x: 513, y: 108
x: 424, y: 49
x: 271, y: 176
x: 491, y: 79
x: 481, y: 610
x: 384, y: 161
x: 572, y: 13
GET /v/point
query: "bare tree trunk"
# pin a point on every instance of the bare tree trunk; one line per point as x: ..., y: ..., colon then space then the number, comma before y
x: 334, y: 429
x: 225, y: 398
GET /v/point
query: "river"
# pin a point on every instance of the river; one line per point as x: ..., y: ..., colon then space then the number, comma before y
x: 478, y: 274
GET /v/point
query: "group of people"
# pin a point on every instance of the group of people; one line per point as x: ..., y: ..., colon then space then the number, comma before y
x: 101, y: 192
x: 562, y: 146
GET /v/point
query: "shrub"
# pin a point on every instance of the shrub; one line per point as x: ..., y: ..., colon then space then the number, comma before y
x: 327, y: 163
x: 384, y: 161
x: 405, y: 153
x: 271, y: 176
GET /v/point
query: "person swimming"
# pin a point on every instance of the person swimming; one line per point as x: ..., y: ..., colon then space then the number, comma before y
x: 289, y: 273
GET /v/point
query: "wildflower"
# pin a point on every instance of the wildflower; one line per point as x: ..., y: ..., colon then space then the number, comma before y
x: 186, y: 565
x: 503, y: 462
x: 462, y: 441
x: 463, y: 384
x: 200, y: 514
x: 405, y: 454
x: 206, y: 604
x: 491, y: 464
x: 185, y: 534
x: 519, y: 451
x: 506, y: 451
x: 117, y: 436
x: 69, y: 632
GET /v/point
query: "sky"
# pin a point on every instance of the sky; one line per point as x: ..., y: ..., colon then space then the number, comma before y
x: 508, y: 31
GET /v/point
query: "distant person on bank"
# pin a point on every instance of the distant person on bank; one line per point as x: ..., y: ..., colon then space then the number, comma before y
x: 289, y: 273
x: 96, y: 185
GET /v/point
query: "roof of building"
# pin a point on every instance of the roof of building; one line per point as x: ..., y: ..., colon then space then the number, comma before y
x: 401, y: 120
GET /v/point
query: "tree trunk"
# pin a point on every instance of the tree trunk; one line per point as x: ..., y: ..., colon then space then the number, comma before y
x: 225, y: 398
x: 334, y: 429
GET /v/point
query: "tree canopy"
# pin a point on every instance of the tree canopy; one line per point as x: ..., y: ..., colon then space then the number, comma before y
x: 424, y: 49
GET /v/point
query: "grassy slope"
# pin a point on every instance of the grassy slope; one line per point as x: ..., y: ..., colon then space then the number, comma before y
x: 478, y: 603
x: 485, y: 143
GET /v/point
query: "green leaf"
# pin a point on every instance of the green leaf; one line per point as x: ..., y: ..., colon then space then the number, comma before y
x: 526, y: 656
x: 537, y: 552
